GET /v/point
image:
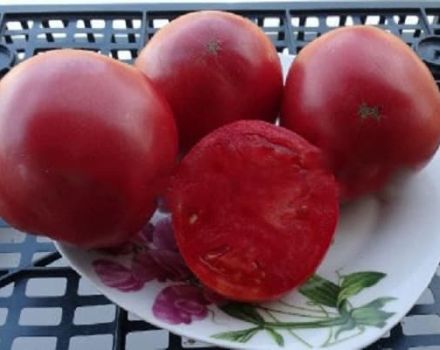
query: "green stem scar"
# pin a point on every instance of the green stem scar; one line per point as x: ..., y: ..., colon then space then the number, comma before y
x: 213, y: 47
x: 365, y: 112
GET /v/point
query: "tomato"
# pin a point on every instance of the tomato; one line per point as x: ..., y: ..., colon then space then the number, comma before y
x: 84, y: 142
x: 214, y: 68
x: 365, y: 98
x: 254, y: 210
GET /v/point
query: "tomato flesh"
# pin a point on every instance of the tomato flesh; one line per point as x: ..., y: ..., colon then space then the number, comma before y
x: 253, y: 209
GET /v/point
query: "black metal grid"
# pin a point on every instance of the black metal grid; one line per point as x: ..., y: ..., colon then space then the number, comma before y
x: 120, y: 31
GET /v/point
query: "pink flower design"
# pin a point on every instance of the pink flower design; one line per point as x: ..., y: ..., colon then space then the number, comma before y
x: 162, y: 205
x: 145, y: 268
x: 156, y: 257
x: 180, y: 304
x: 213, y: 297
x: 141, y: 240
x: 116, y: 276
x: 163, y: 236
x: 123, y: 249
x: 163, y: 261
x: 161, y: 264
x: 144, y: 237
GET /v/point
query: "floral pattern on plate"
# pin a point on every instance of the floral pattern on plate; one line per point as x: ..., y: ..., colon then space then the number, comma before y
x: 153, y: 255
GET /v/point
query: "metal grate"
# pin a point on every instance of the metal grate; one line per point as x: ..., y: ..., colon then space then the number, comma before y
x: 409, y: 25
x: 111, y: 34
x: 71, y: 314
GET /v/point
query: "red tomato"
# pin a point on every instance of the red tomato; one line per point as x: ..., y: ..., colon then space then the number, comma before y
x: 214, y: 68
x: 365, y: 98
x: 84, y: 141
x: 253, y: 209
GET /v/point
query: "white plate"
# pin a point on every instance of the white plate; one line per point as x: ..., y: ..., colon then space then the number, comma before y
x: 384, y: 255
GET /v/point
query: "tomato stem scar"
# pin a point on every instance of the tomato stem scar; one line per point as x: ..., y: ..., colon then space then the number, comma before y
x: 213, y: 46
x: 365, y: 111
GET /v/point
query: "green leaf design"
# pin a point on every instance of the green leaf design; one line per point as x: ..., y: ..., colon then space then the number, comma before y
x: 321, y: 291
x: 244, y: 312
x: 371, y: 314
x: 354, y: 283
x: 348, y: 326
x: 242, y: 336
x: 277, y: 337
x: 379, y: 302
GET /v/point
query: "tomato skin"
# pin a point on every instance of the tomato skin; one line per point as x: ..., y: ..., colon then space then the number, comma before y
x: 254, y: 210
x: 84, y: 141
x: 365, y: 98
x: 214, y: 68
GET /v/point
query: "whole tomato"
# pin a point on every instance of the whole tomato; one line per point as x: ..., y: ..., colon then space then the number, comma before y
x: 254, y: 210
x: 213, y: 68
x: 84, y: 143
x: 365, y: 98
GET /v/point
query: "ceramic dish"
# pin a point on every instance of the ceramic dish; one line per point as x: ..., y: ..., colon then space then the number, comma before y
x: 385, y: 253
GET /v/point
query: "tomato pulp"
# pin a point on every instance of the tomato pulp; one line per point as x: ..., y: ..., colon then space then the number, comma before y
x: 253, y: 209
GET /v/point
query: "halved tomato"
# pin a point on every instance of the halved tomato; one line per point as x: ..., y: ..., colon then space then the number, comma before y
x: 254, y: 210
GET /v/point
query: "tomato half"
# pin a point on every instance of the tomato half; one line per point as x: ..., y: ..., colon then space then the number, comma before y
x: 213, y: 68
x: 253, y: 209
x: 365, y: 98
x: 84, y: 143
